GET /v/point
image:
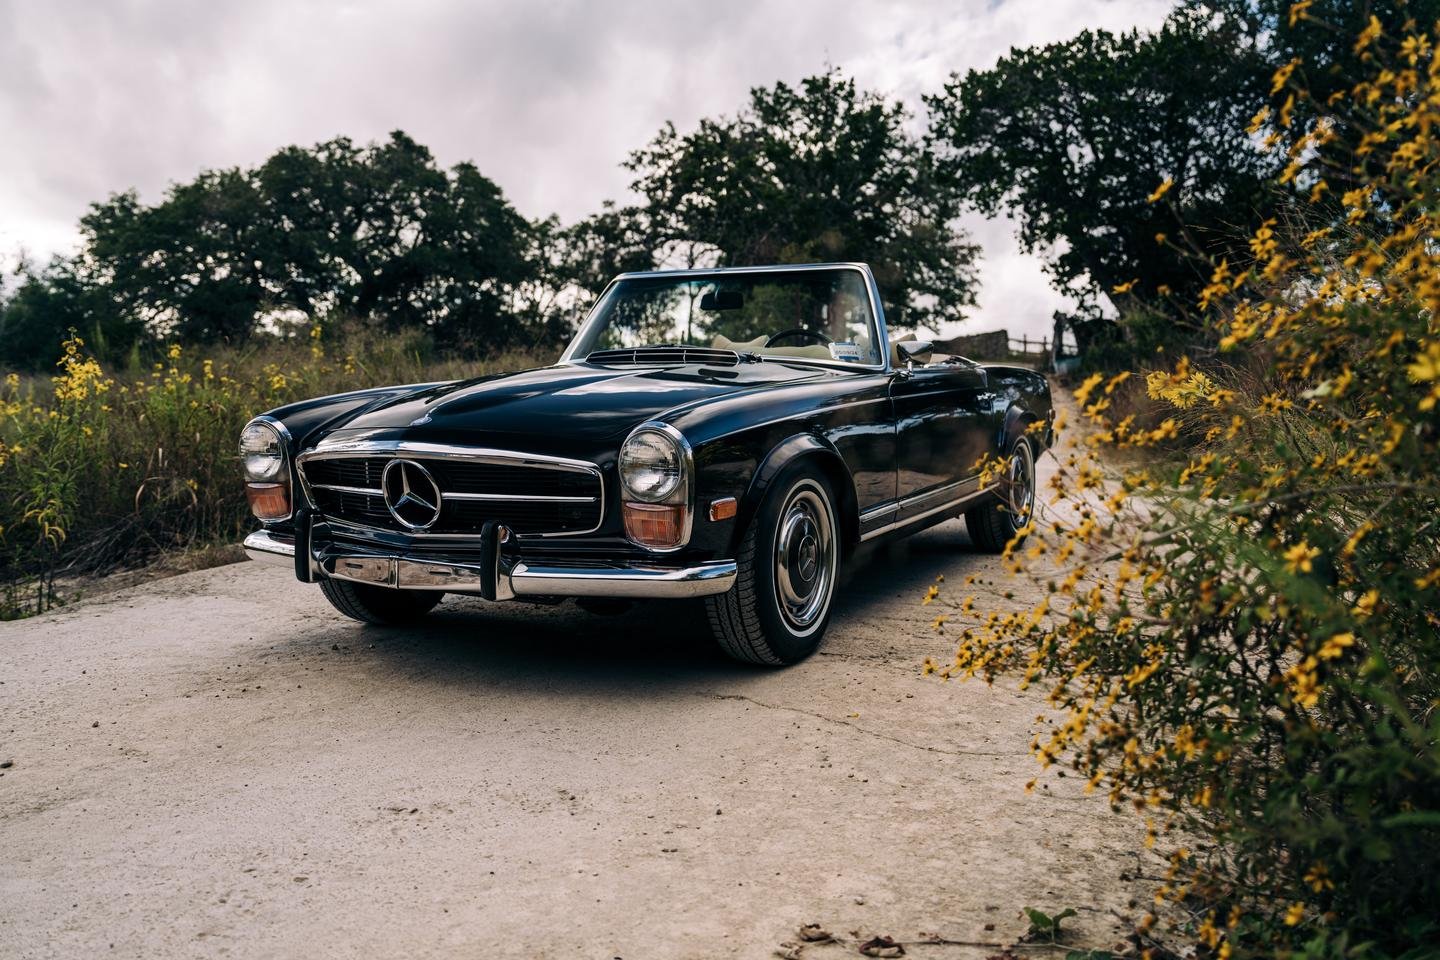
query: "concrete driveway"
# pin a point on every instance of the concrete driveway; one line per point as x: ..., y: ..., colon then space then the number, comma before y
x: 217, y: 764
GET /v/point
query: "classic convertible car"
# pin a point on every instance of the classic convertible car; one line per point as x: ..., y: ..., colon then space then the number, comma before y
x: 730, y: 435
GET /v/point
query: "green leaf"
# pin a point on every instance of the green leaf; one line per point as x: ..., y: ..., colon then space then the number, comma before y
x: 1038, y: 920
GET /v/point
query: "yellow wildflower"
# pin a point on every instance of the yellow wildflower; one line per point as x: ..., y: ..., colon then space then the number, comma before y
x: 1369, y: 35
x: 1426, y: 365
x: 1298, y: 559
x: 1335, y: 647
x: 1318, y: 877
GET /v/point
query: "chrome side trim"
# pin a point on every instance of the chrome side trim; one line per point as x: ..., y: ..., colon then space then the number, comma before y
x: 906, y: 521
x: 331, y: 450
x: 265, y: 547
x: 870, y: 513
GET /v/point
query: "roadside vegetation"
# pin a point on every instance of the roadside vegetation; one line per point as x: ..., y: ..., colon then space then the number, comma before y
x: 1242, y: 633
x: 103, y: 469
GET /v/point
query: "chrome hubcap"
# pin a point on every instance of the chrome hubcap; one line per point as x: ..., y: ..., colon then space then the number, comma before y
x: 1020, y: 485
x: 805, y: 558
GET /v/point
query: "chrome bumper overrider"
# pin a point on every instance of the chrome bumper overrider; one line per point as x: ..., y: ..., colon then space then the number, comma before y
x: 511, y: 579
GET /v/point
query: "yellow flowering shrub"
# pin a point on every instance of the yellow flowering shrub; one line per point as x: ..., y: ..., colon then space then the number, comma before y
x: 99, y: 469
x: 1245, y: 645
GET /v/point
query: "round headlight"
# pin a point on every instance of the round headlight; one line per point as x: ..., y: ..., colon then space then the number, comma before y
x: 262, y: 451
x: 651, y: 466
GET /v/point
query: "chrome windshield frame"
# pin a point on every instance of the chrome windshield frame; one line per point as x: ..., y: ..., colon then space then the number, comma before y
x: 877, y: 312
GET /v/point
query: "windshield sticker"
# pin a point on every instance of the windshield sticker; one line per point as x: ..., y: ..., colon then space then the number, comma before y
x: 844, y: 350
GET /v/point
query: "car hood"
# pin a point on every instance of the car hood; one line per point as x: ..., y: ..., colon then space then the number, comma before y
x: 579, y: 402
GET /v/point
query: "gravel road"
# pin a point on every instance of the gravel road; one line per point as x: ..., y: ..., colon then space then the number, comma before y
x: 217, y: 764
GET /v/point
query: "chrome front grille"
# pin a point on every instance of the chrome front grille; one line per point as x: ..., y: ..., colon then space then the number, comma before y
x: 532, y: 495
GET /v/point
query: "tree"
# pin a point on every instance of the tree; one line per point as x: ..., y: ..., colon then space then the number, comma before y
x: 822, y: 172
x: 200, y: 266
x: 381, y: 232
x: 1079, y: 139
x: 377, y: 232
x: 47, y: 304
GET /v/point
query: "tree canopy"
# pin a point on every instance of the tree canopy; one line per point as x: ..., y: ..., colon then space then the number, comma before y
x: 819, y: 172
x: 376, y: 232
x: 1120, y: 155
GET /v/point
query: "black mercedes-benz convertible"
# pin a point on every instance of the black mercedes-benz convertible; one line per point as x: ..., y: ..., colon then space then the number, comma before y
x: 730, y: 435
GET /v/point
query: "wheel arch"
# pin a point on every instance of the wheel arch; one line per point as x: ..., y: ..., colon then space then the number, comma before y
x: 798, y: 448
x: 1017, y: 422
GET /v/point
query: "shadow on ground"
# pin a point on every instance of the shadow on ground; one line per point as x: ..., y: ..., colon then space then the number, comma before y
x: 654, y: 642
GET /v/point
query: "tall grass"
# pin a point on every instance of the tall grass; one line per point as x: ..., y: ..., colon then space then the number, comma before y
x: 101, y: 469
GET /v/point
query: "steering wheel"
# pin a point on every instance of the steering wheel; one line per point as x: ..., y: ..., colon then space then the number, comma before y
x: 814, y: 335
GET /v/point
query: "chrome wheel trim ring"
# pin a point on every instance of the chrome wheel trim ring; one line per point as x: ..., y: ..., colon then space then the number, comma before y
x: 1020, y: 485
x: 806, y: 556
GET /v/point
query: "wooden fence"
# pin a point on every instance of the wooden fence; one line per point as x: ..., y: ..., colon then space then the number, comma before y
x: 998, y: 345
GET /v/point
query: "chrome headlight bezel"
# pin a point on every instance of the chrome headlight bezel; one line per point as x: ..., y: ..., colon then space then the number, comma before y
x: 657, y: 515
x: 263, y: 454
x: 653, y: 465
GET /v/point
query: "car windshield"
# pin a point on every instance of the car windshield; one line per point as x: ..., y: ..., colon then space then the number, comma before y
x: 800, y: 314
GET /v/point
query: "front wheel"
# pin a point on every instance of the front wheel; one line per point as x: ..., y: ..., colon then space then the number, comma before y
x: 379, y: 605
x: 993, y: 524
x: 788, y: 561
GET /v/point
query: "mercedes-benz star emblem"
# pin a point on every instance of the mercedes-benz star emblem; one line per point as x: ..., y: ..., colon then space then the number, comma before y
x: 411, y: 494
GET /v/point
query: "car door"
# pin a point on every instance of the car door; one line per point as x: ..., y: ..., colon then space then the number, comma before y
x: 943, y: 425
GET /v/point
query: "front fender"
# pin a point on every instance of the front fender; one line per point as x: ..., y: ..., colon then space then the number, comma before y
x: 787, y: 452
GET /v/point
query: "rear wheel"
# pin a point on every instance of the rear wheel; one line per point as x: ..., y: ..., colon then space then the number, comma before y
x: 380, y: 605
x: 789, y: 560
x: 992, y: 525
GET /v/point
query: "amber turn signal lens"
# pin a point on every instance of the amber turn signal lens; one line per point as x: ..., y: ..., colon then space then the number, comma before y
x: 723, y: 509
x: 655, y: 525
x: 268, y: 501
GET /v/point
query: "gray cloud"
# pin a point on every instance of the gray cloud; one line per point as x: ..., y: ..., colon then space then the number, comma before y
x: 546, y: 97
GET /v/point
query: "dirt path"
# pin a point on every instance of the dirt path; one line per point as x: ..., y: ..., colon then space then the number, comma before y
x: 218, y: 765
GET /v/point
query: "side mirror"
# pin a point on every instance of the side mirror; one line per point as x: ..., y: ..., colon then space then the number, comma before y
x: 915, y: 351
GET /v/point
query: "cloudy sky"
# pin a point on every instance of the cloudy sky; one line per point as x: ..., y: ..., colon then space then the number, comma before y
x: 545, y: 97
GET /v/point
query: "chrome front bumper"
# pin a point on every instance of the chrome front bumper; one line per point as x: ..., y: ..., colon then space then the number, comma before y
x: 510, y: 580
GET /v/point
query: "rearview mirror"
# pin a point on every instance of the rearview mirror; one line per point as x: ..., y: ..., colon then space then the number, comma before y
x: 915, y: 351
x: 722, y: 300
